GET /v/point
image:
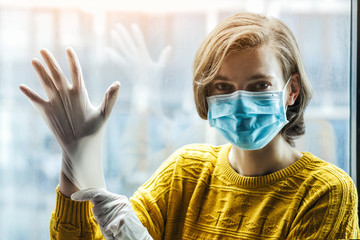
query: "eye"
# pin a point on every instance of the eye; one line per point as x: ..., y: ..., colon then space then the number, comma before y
x: 260, y: 86
x: 221, y: 88
x: 263, y: 85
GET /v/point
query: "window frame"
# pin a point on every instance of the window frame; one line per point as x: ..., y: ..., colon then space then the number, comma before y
x: 354, y: 95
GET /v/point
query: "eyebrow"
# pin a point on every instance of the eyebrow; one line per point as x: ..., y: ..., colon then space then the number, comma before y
x: 260, y: 75
x: 221, y: 77
x: 253, y: 77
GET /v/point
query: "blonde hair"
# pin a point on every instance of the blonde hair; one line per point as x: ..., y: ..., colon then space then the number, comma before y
x: 250, y: 30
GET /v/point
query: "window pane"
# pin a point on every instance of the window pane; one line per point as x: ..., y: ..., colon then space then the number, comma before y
x: 155, y: 113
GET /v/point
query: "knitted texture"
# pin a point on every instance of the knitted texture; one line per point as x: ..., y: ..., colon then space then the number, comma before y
x: 196, y: 194
x: 73, y: 220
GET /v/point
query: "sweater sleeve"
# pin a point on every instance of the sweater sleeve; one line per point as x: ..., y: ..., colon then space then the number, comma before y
x: 73, y: 220
x: 332, y: 215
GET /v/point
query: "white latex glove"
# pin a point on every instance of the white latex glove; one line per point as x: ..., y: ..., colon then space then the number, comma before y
x: 131, y: 54
x: 114, y: 215
x: 76, y: 124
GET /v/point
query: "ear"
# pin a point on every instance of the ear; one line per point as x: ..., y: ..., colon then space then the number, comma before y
x: 294, y: 89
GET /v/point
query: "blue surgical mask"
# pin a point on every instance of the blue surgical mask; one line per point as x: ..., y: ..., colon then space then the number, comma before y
x: 249, y: 120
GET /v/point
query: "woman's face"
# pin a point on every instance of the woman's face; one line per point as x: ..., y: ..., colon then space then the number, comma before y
x: 251, y: 69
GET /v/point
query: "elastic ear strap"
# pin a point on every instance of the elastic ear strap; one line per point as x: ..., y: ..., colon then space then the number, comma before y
x: 287, y: 82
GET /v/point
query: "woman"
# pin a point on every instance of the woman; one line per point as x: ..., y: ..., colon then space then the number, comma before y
x: 249, y: 82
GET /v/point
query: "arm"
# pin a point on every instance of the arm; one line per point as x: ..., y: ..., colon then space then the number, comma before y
x: 66, y: 187
x: 73, y: 220
x: 145, y: 215
x: 76, y: 124
x: 78, y: 127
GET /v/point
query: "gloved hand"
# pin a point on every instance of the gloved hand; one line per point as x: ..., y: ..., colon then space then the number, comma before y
x: 114, y: 215
x: 76, y: 124
x: 131, y: 54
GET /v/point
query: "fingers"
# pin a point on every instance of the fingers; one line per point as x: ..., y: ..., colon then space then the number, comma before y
x: 33, y: 97
x: 55, y: 70
x: 45, y: 79
x: 89, y: 194
x: 124, y: 41
x: 97, y: 195
x: 117, y: 58
x: 165, y: 55
x: 139, y: 39
x: 109, y: 99
x: 75, y: 69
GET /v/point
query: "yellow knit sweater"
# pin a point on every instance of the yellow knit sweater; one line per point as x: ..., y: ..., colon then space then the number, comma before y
x: 196, y: 194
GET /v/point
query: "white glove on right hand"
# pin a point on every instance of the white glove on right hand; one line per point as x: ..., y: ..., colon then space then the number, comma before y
x: 75, y: 122
x: 114, y: 215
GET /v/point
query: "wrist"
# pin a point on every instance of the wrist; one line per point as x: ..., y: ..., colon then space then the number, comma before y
x: 66, y: 187
x: 71, y: 212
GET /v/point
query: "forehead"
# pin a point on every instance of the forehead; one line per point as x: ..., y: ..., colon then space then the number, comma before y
x: 246, y: 63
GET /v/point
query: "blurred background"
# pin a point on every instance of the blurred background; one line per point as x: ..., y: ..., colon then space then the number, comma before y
x: 154, y: 114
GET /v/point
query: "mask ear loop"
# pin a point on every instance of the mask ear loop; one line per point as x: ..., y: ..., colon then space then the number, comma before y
x: 283, y: 90
x: 287, y: 82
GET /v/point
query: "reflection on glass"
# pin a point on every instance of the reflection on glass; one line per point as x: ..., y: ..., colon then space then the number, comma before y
x: 154, y: 114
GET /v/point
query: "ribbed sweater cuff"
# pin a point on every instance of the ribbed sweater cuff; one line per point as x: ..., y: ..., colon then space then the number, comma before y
x: 72, y: 212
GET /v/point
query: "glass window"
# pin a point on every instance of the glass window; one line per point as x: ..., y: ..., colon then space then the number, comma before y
x: 154, y: 113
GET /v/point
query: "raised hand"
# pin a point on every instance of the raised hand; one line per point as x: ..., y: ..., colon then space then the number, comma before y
x: 131, y: 54
x: 75, y: 122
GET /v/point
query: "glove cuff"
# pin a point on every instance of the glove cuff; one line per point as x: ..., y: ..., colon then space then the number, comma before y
x: 72, y: 212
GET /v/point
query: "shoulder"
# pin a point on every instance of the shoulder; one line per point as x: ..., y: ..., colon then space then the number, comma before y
x: 326, y: 171
x: 329, y: 200
x: 329, y: 178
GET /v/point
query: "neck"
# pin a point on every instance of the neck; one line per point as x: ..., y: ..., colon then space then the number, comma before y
x: 277, y: 155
